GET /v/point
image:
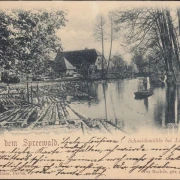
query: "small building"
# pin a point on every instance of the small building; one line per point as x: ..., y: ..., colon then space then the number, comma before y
x: 84, y: 62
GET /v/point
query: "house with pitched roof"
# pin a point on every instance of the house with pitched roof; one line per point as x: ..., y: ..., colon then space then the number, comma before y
x: 87, y: 61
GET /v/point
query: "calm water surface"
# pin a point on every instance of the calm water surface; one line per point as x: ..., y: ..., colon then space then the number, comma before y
x: 115, y: 101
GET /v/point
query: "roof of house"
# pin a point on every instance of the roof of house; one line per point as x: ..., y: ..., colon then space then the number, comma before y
x: 68, y: 64
x: 86, y: 56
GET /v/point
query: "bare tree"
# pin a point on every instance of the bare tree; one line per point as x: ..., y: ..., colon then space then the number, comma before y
x: 99, y: 34
x: 152, y: 28
x: 113, y: 36
x: 111, y: 42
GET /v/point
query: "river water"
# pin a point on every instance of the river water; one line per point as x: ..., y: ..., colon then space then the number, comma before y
x: 115, y: 101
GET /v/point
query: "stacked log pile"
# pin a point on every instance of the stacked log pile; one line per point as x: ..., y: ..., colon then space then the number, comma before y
x: 47, y: 108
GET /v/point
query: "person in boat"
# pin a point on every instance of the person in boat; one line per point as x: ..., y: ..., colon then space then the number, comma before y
x: 145, y: 83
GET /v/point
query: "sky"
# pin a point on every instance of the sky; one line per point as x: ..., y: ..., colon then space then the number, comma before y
x: 78, y: 32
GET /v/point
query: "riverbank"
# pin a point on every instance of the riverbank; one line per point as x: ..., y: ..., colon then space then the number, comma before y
x: 46, y: 107
x: 93, y: 77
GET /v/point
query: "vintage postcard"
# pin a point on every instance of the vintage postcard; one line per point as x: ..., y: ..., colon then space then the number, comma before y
x: 89, y: 90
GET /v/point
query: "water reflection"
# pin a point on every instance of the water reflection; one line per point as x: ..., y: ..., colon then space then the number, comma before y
x: 167, y: 111
x: 115, y: 102
x: 104, y: 93
x: 146, y: 103
x: 170, y: 107
x: 178, y: 103
x: 172, y: 110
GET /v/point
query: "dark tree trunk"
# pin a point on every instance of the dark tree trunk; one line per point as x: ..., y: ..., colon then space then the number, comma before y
x: 110, y: 45
x: 178, y: 14
x: 167, y: 43
x: 174, y: 39
x: 102, y: 36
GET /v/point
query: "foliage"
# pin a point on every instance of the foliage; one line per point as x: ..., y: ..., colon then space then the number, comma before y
x: 118, y: 64
x: 139, y: 61
x: 6, y: 39
x: 6, y: 78
x: 150, y: 63
x: 28, y: 38
x: 152, y: 30
x: 155, y: 62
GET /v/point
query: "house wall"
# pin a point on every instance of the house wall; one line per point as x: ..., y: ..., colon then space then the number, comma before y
x: 98, y: 63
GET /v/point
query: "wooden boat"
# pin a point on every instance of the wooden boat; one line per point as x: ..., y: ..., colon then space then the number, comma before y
x: 143, y: 94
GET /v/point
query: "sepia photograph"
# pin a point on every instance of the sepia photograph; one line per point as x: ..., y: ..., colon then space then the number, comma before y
x: 74, y: 74
x: 89, y: 68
